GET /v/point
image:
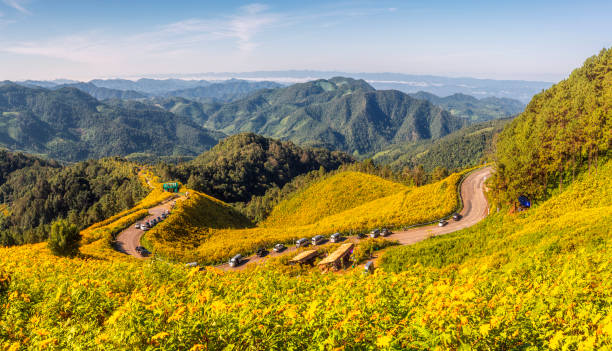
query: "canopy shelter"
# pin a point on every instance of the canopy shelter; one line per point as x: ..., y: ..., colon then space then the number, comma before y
x: 171, y: 187
x: 339, y: 258
x: 305, y: 257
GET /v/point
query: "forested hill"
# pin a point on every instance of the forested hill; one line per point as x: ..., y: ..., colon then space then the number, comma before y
x: 103, y: 93
x: 564, y: 130
x: 229, y: 90
x: 35, y: 192
x: 69, y: 124
x: 473, y: 109
x: 340, y: 114
x: 463, y: 148
x: 246, y: 164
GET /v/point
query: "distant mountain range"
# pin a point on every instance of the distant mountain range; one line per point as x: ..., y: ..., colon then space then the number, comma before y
x: 473, y: 109
x: 340, y: 114
x: 65, y: 120
x: 71, y: 125
x: 200, y: 90
x: 409, y: 83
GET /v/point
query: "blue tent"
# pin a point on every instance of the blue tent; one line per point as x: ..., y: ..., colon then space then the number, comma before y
x: 524, y: 201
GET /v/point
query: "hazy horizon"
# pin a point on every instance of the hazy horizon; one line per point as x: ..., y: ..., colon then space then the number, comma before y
x: 79, y: 40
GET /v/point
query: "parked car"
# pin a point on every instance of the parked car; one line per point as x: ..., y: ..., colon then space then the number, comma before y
x: 278, y: 247
x: 334, y: 238
x: 137, y: 225
x: 369, y: 267
x: 318, y: 240
x: 375, y: 233
x: 235, y: 261
x: 361, y: 235
x: 385, y: 232
x: 301, y: 242
x: 261, y: 252
x: 442, y: 223
x: 456, y: 216
x: 191, y: 264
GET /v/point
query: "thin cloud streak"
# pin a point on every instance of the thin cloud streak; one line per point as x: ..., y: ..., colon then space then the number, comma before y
x: 17, y: 5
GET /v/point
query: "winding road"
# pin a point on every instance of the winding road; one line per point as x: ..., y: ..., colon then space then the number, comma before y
x: 129, y: 238
x: 475, y: 209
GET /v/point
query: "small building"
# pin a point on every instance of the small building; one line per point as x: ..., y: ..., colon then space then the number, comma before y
x: 305, y: 257
x: 339, y: 258
x: 171, y: 187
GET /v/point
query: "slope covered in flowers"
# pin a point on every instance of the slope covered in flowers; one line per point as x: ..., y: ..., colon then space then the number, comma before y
x: 540, y: 279
x: 196, y: 240
x: 332, y: 195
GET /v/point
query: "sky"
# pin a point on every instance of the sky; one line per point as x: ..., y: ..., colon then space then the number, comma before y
x: 86, y: 39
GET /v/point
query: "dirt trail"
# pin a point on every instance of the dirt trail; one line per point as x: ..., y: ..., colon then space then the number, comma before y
x: 475, y: 209
x: 129, y: 238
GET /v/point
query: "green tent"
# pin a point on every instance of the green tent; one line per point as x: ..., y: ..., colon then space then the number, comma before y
x: 171, y: 187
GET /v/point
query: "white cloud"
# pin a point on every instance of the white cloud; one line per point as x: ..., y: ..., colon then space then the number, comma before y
x: 187, y: 37
x: 17, y: 5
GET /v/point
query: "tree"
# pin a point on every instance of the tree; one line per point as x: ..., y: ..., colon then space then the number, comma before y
x: 439, y: 173
x: 418, y: 175
x: 64, y: 238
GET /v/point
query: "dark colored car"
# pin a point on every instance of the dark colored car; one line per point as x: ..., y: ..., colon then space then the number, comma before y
x: 301, y: 243
x: 261, y: 252
x: 456, y: 216
x: 385, y: 232
x: 361, y: 235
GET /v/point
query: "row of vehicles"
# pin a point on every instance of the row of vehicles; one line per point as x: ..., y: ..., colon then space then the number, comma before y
x: 144, y: 226
x: 320, y: 239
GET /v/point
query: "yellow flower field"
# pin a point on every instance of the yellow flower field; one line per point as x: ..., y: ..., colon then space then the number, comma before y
x: 181, y: 238
x: 540, y: 279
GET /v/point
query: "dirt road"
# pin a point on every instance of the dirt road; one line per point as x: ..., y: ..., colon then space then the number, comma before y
x: 475, y: 209
x: 129, y: 238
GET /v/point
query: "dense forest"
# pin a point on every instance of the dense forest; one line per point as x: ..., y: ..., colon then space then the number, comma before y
x: 247, y: 164
x: 35, y: 192
x: 473, y: 109
x: 463, y: 148
x: 70, y: 125
x: 563, y: 131
x: 338, y: 114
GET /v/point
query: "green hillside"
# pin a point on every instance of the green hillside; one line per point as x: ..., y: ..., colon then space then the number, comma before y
x: 225, y: 91
x: 36, y: 192
x: 473, y: 109
x: 340, y: 114
x: 466, y: 147
x: 70, y: 125
x: 103, y: 93
x: 245, y: 165
x: 329, y: 196
x: 563, y: 131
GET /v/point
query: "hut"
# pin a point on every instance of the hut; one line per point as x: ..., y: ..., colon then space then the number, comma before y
x: 305, y: 257
x: 339, y: 258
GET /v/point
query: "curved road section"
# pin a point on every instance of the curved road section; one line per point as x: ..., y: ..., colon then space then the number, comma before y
x: 129, y: 238
x: 475, y: 209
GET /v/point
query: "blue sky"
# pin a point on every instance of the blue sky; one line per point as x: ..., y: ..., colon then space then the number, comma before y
x: 80, y: 39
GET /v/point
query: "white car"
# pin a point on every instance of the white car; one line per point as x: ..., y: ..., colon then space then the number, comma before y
x: 442, y: 223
